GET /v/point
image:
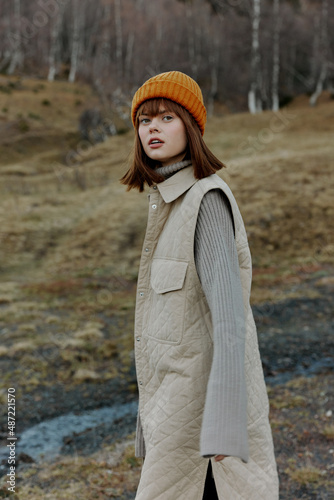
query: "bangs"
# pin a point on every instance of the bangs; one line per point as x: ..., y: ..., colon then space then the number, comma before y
x: 151, y: 107
x: 142, y: 170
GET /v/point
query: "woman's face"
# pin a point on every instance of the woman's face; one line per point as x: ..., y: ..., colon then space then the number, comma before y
x: 163, y: 137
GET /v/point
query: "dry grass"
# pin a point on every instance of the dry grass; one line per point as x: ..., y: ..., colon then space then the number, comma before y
x: 113, y: 472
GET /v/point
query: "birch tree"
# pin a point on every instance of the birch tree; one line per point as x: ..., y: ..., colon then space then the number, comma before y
x: 323, y: 54
x: 222, y: 7
x: 254, y: 98
x: 55, y: 42
x: 315, y: 51
x: 76, y: 39
x: 16, y: 40
x: 276, y: 55
x: 119, y: 42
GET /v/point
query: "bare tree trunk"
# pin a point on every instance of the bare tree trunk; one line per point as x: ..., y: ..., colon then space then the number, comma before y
x: 106, y: 46
x: 54, y: 43
x: 75, y: 40
x: 254, y: 98
x: 292, y: 64
x: 276, y: 56
x: 17, y: 55
x: 99, y: 54
x: 5, y: 52
x: 154, y: 48
x: 191, y: 41
x: 119, y: 42
x: 128, y: 57
x: 324, y: 54
x: 320, y: 85
x: 315, y: 50
x: 214, y: 65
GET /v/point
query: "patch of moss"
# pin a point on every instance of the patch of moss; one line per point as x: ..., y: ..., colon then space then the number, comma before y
x: 288, y: 400
x: 306, y: 475
x: 328, y: 431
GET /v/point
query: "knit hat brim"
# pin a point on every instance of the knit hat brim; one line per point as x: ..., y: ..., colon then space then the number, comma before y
x: 177, y: 87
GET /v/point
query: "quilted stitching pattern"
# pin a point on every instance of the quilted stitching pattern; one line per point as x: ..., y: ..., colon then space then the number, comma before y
x: 167, y: 294
x: 167, y: 275
x: 173, y: 359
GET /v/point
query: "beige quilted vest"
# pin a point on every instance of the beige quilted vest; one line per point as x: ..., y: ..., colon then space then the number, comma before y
x: 173, y: 347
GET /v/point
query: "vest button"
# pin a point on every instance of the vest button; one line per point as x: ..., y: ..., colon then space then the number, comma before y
x: 138, y: 339
x: 147, y: 249
x: 154, y: 207
x: 141, y: 294
x: 154, y: 187
x: 140, y: 382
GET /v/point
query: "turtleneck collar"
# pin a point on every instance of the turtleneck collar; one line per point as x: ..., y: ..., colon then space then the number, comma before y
x: 170, y: 170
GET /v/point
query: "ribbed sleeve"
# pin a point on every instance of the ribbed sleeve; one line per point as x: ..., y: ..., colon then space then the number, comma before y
x: 140, y: 450
x: 224, y: 426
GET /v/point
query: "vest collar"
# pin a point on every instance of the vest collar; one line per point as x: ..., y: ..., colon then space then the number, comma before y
x: 177, y: 184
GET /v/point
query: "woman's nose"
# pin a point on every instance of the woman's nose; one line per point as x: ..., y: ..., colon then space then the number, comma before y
x: 154, y: 125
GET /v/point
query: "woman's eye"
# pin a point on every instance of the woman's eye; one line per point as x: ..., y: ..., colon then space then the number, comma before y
x: 167, y: 118
x: 144, y: 120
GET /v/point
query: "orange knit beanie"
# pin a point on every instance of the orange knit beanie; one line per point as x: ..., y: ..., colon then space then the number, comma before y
x: 177, y: 87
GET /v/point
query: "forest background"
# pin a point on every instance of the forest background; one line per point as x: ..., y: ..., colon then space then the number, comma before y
x: 71, y: 236
x: 268, y: 50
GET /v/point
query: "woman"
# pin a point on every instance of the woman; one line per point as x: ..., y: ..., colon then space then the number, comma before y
x: 203, y: 409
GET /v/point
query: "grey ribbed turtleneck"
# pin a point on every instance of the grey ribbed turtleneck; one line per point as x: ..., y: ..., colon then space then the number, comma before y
x: 169, y: 170
x: 217, y: 265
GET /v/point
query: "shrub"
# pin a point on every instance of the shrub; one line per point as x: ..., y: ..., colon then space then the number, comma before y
x: 33, y: 116
x: 23, y: 125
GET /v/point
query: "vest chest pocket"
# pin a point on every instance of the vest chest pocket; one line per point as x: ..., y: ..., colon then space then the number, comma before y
x: 165, y: 317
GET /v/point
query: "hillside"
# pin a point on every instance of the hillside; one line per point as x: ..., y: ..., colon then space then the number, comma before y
x: 279, y: 168
x: 70, y: 243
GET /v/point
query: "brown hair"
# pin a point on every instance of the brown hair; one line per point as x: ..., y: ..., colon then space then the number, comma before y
x: 142, y: 169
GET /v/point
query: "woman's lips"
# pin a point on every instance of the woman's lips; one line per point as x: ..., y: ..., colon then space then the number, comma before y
x: 155, y: 143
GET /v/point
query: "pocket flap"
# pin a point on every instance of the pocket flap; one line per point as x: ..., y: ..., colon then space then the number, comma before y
x: 167, y: 275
